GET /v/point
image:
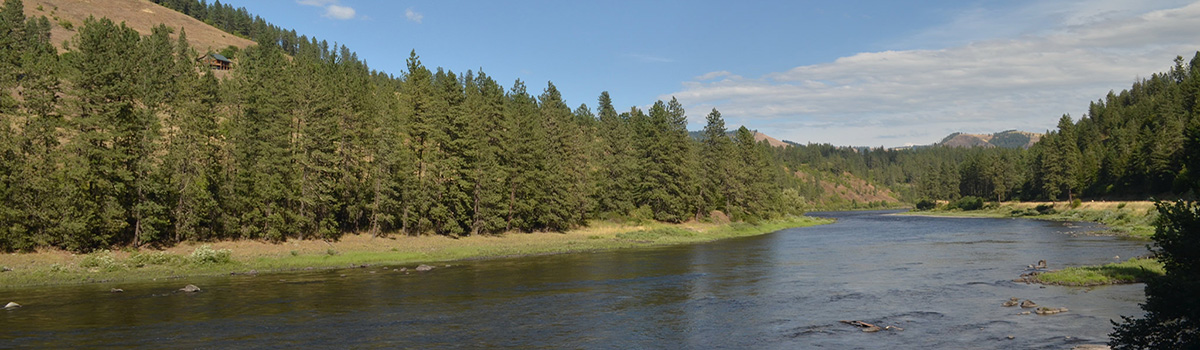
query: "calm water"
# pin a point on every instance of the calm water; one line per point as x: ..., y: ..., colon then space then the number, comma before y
x: 941, y: 279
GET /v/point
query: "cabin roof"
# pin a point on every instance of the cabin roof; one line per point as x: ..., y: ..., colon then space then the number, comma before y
x: 221, y: 58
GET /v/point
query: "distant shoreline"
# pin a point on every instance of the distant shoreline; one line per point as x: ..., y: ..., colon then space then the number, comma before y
x: 197, y: 259
x: 1130, y: 219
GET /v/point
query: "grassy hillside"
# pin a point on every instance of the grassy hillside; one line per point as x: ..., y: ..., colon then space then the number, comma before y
x: 1003, y: 139
x: 66, y: 16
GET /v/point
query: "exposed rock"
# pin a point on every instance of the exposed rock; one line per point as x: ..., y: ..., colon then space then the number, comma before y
x: 1028, y: 304
x: 423, y: 268
x: 1050, y: 310
x: 11, y: 305
x: 1024, y: 313
x: 191, y: 288
x: 402, y: 269
x: 1011, y: 302
x: 116, y: 290
x: 1041, y: 264
x: 870, y: 328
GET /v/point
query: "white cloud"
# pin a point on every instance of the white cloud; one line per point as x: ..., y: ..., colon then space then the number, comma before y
x: 413, y: 15
x: 332, y: 9
x: 339, y: 12
x: 1024, y: 80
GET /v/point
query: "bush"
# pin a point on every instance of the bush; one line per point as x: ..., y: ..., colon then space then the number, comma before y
x: 102, y: 260
x: 926, y: 204
x: 1076, y: 203
x: 1121, y: 205
x: 206, y: 255
x: 1045, y: 209
x: 968, y: 203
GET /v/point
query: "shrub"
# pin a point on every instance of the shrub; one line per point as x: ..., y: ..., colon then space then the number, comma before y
x: 102, y: 260
x: 968, y: 203
x: 1045, y: 209
x: 926, y: 204
x: 1121, y: 205
x: 1076, y: 203
x: 206, y: 255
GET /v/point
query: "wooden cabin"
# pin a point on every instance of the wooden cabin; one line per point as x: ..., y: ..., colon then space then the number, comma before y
x: 216, y: 61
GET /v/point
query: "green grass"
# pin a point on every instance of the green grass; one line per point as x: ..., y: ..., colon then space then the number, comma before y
x: 1129, y: 271
x: 1134, y: 221
x: 38, y: 269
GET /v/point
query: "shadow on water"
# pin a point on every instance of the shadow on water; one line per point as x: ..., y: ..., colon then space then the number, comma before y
x: 940, y: 279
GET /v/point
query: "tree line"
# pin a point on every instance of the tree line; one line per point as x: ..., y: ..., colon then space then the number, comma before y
x: 126, y: 140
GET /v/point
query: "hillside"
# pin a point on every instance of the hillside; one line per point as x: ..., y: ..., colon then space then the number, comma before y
x: 758, y: 137
x: 1004, y: 139
x: 66, y: 16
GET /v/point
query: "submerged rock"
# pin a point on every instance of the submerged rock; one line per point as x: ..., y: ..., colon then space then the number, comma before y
x: 1028, y: 304
x: 11, y: 305
x: 423, y: 268
x: 1011, y: 302
x: 191, y: 288
x: 116, y: 290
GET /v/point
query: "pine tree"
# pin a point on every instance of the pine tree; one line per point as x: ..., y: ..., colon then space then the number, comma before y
x: 716, y: 159
x: 614, y: 192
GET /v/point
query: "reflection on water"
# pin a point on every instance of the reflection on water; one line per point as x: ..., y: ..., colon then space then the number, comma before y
x: 941, y: 279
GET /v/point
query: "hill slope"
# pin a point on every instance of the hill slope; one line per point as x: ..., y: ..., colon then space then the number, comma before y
x: 1003, y: 139
x: 66, y: 16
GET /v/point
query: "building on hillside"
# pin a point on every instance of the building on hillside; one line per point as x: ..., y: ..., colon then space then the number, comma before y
x: 216, y: 61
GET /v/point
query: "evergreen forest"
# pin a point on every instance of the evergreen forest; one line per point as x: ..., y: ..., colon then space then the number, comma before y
x: 127, y: 140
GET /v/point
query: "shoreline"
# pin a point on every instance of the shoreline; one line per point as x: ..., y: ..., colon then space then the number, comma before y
x: 208, y: 259
x: 1130, y: 219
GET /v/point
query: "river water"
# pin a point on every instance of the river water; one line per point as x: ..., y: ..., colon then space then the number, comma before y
x: 940, y: 279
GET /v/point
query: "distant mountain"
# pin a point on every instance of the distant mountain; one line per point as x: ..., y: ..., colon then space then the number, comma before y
x: 758, y: 137
x: 1003, y: 139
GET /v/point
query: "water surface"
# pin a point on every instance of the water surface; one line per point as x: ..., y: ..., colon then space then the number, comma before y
x: 941, y: 279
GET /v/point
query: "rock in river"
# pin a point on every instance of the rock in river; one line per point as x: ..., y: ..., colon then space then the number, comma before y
x: 191, y: 288
x: 424, y: 267
x: 11, y: 305
x: 1011, y: 302
x: 1050, y: 310
x: 1028, y: 304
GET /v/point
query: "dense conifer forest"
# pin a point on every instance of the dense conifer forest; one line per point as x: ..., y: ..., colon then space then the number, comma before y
x: 127, y: 140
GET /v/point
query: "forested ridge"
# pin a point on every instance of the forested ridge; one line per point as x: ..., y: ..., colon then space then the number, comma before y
x: 127, y: 140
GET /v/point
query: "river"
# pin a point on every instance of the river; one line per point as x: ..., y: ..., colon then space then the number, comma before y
x: 940, y: 279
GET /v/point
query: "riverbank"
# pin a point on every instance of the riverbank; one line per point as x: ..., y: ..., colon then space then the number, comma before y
x: 232, y: 257
x: 1134, y: 270
x: 1130, y: 219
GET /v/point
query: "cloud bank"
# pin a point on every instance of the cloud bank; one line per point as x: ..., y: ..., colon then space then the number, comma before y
x: 892, y: 98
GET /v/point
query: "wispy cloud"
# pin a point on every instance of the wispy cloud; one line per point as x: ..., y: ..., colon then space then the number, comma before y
x: 413, y: 15
x: 1021, y: 81
x: 649, y: 58
x: 332, y: 8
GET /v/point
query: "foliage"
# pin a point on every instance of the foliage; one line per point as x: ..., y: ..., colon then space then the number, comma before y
x: 1172, y: 319
x: 655, y: 234
x: 206, y: 255
x: 926, y: 204
x: 967, y: 203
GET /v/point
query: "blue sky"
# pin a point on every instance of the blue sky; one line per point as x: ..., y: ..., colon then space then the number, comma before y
x: 877, y: 73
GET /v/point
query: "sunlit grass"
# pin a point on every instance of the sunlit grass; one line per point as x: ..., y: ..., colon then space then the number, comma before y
x: 1131, y: 219
x: 1129, y: 271
x: 59, y: 267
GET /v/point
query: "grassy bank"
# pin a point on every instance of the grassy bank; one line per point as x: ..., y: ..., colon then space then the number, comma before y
x: 1129, y: 271
x: 218, y: 258
x: 1132, y: 219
